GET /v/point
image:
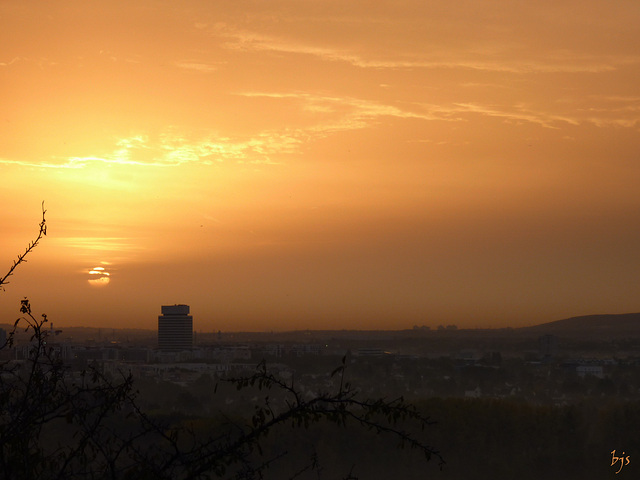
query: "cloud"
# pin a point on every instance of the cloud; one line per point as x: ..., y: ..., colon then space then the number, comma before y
x: 614, y: 122
x: 99, y: 244
x: 173, y: 149
x: 328, y: 114
x: 202, y: 67
x: 325, y: 114
x: 335, y: 113
x: 440, y: 57
x: 40, y: 62
x: 79, y: 162
x: 516, y: 113
x: 10, y: 62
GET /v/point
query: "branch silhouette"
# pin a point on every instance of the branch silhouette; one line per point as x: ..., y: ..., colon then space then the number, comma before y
x: 33, y: 244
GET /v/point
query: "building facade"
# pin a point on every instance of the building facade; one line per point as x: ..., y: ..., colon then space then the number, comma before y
x: 175, y: 328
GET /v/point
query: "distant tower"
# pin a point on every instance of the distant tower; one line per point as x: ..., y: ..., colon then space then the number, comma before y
x: 175, y: 328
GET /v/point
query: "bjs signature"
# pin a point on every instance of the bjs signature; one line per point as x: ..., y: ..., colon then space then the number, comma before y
x: 622, y: 459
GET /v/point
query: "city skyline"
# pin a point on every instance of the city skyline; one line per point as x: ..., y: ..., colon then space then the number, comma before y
x: 326, y: 165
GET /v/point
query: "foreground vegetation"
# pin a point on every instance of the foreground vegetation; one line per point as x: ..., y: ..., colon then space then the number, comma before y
x: 55, y: 424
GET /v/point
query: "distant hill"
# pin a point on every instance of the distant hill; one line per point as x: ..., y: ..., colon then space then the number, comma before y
x: 607, y: 325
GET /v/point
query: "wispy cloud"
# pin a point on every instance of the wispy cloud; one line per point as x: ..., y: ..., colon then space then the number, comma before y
x: 515, y: 113
x: 78, y: 162
x: 40, y: 62
x: 327, y: 114
x: 614, y: 122
x: 437, y: 58
x: 198, y: 66
x: 334, y: 113
x: 100, y: 244
x: 175, y: 147
x: 10, y: 62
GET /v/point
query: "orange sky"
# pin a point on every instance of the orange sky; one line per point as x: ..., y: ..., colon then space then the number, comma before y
x: 327, y: 164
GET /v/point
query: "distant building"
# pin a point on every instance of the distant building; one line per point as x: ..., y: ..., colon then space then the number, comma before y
x: 468, y: 357
x: 370, y: 352
x: 548, y: 346
x: 585, y: 370
x: 301, y: 349
x: 175, y: 328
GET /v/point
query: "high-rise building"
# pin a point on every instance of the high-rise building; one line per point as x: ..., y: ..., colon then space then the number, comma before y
x: 175, y: 328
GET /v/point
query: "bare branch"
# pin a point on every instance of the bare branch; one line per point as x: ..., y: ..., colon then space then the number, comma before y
x: 33, y: 244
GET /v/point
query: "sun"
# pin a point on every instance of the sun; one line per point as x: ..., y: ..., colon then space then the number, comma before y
x: 99, y: 277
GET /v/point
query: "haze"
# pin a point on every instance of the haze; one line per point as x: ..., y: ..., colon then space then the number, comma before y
x: 321, y: 165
